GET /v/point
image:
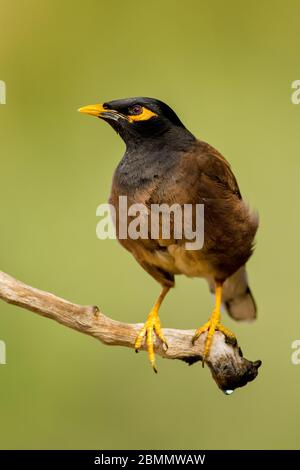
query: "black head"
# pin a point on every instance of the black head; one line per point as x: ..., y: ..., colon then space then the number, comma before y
x: 137, y: 118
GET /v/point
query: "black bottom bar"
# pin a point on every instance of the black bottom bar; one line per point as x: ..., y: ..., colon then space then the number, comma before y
x: 126, y: 459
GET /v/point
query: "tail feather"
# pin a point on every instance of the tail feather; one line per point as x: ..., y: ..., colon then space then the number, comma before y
x: 237, y: 297
x: 242, y: 307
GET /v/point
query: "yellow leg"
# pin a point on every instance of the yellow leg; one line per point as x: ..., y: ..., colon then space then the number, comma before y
x: 214, y: 324
x: 152, y: 324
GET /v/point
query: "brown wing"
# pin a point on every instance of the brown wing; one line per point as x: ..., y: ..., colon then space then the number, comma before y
x: 217, y: 168
x: 203, y: 176
x: 230, y: 226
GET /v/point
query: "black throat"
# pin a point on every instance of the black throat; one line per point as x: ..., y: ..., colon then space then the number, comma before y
x: 150, y: 159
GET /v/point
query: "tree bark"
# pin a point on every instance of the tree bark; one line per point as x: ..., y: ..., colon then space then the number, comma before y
x: 228, y: 366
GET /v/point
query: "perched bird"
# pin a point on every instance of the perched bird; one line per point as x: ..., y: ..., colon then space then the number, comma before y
x: 165, y: 163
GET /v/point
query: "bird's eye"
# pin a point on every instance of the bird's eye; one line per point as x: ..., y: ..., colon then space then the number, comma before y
x: 136, y: 109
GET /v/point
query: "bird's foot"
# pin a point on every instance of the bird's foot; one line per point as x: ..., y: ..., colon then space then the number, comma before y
x: 210, y: 327
x: 152, y: 325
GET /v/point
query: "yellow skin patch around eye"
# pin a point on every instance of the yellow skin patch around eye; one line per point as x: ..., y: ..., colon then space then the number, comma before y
x: 143, y: 116
x: 99, y: 111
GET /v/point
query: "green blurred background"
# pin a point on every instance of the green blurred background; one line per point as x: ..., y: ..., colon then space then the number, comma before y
x: 227, y: 69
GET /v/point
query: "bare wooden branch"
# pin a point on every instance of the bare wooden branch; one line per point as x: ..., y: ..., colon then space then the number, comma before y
x: 228, y: 366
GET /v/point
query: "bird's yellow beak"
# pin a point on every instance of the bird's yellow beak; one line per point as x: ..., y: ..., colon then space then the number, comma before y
x: 93, y: 109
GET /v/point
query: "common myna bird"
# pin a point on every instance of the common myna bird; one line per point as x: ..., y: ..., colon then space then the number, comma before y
x: 165, y: 164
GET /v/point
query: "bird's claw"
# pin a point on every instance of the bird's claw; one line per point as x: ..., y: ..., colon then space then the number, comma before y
x: 210, y: 327
x: 151, y: 326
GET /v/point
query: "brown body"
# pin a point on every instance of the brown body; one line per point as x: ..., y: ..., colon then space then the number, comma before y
x: 201, y: 175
